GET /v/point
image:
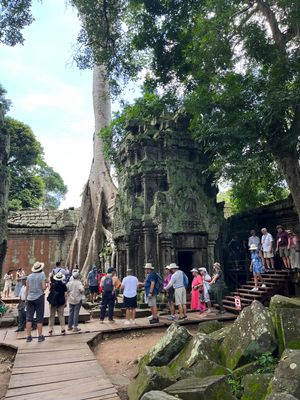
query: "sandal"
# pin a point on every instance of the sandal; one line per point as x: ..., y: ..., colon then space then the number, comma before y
x: 50, y: 333
x: 63, y: 332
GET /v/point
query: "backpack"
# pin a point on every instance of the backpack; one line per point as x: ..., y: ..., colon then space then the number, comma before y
x: 185, y: 280
x: 159, y: 286
x: 108, y: 286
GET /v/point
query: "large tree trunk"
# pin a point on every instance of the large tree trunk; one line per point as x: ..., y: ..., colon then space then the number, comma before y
x: 98, y: 198
x: 290, y: 168
x: 4, y: 186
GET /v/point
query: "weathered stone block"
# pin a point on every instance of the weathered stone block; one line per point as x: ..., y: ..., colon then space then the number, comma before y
x: 281, y: 396
x: 287, y: 326
x: 287, y: 374
x: 220, y: 335
x: 150, y: 378
x: 251, y: 335
x: 6, y: 322
x: 246, y: 369
x: 209, y: 388
x: 279, y: 301
x: 204, y: 368
x: 201, y: 347
x: 158, y: 395
x: 173, y: 341
x: 255, y: 386
x: 210, y: 326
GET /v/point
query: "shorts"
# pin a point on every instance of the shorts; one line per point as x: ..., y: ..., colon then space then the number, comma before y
x: 268, y: 254
x: 152, y: 301
x: 7, y: 286
x: 130, y: 302
x: 94, y: 289
x: 283, y: 251
x: 180, y: 296
x: 171, y: 296
x: 37, y: 306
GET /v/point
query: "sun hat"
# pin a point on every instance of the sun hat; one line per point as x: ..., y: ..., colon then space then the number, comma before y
x: 218, y: 265
x: 194, y: 270
x: 129, y: 271
x: 202, y: 269
x: 289, y: 231
x: 279, y: 227
x: 59, y: 276
x: 167, y: 267
x: 148, y: 266
x: 37, y: 267
x: 253, y: 247
x: 173, y: 266
x: 75, y: 274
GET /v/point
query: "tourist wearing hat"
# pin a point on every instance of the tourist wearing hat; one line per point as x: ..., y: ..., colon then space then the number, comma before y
x: 8, y: 280
x: 20, y: 273
x: 35, y: 288
x: 267, y: 242
x: 22, y: 305
x: 282, y: 245
x: 75, y: 298
x: 57, y: 299
x: 197, y: 292
x: 218, y: 285
x: 109, y: 284
x: 256, y: 267
x: 151, y: 291
x: 178, y: 282
x: 170, y: 293
x: 129, y: 286
x: 294, y: 249
x: 206, y: 288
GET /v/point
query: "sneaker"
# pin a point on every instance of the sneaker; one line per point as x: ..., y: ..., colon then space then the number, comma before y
x: 70, y: 329
x: 185, y: 316
x: 127, y: 322
x: 263, y: 285
x: 41, y: 338
x: 171, y: 318
x: 154, y: 321
x: 221, y: 312
x: 255, y: 289
x: 101, y: 321
x: 112, y: 320
x: 76, y: 329
x: 29, y: 339
x: 150, y: 317
x: 19, y: 330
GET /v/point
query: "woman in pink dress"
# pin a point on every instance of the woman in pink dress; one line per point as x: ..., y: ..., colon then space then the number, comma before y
x: 197, y: 288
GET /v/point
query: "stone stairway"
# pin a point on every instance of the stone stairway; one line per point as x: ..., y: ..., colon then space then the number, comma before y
x: 275, y: 281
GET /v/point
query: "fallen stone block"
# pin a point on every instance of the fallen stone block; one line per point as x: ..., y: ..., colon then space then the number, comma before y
x: 208, y: 327
x: 246, y: 369
x: 255, y: 386
x: 150, y: 378
x: 287, y: 374
x: 204, y: 368
x: 279, y: 301
x: 6, y: 322
x: 251, y: 335
x: 209, y: 388
x: 220, y: 335
x: 281, y: 396
x: 173, y: 341
x: 158, y: 395
x: 287, y: 327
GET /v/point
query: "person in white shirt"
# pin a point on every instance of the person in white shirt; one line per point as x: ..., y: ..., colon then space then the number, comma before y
x: 177, y: 281
x: 75, y: 297
x: 254, y: 239
x: 22, y: 305
x: 130, y: 285
x: 267, y: 248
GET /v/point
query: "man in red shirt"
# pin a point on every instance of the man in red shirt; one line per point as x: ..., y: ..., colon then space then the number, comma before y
x: 282, y: 245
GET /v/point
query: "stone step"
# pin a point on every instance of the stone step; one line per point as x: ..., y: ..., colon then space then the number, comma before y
x: 247, y: 291
x: 252, y: 286
x: 253, y: 296
x: 243, y: 299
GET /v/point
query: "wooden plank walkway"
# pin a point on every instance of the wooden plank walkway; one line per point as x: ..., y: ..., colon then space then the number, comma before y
x: 61, y: 368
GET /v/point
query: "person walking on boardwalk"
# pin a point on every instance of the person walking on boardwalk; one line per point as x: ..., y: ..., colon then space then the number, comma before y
x: 178, y: 282
x: 151, y: 291
x: 35, y: 296
x: 170, y: 294
x: 92, y: 280
x: 57, y: 299
x: 108, y: 284
x: 75, y: 297
x: 256, y: 267
x: 129, y: 285
x: 197, y: 292
x: 206, y: 288
x: 22, y: 305
x: 217, y: 286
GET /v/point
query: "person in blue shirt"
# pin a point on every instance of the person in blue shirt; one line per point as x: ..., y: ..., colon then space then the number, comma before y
x: 256, y: 267
x: 151, y: 291
x: 92, y: 279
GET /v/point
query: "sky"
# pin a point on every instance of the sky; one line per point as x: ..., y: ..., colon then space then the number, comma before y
x: 51, y: 95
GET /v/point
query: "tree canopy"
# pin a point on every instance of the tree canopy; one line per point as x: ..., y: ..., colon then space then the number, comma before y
x: 33, y: 183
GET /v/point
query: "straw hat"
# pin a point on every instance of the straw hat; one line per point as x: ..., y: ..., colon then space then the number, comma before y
x: 59, y: 277
x: 202, y: 269
x: 253, y: 247
x: 167, y: 267
x: 173, y: 266
x: 37, y: 267
x: 75, y: 273
x: 194, y: 270
x: 148, y: 266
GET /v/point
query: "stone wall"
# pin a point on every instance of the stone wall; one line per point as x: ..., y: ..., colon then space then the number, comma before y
x: 39, y: 235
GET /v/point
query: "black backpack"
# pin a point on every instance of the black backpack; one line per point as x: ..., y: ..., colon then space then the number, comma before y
x: 108, y: 286
x: 159, y: 286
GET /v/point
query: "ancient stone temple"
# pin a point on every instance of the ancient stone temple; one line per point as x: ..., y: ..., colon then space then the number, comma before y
x: 166, y: 208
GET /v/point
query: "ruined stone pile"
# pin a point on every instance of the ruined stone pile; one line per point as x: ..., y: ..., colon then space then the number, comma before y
x: 227, y: 363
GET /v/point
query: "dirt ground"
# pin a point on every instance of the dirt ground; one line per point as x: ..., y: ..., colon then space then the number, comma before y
x: 7, y: 357
x: 118, y: 355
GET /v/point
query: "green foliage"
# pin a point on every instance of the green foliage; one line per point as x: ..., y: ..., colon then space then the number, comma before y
x: 267, y: 363
x: 236, y: 386
x: 142, y: 111
x: 14, y: 16
x: 33, y: 183
x: 4, y: 102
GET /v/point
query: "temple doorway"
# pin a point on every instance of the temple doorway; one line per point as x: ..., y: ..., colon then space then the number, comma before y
x: 185, y: 260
